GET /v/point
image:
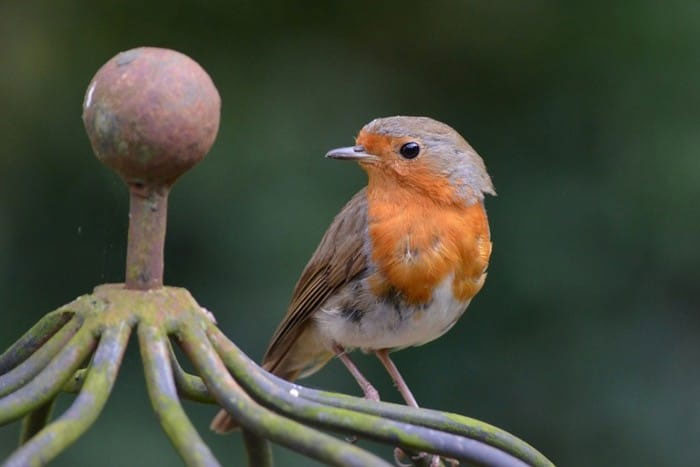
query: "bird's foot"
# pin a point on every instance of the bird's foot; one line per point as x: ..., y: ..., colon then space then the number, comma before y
x: 371, y: 393
x: 404, y: 459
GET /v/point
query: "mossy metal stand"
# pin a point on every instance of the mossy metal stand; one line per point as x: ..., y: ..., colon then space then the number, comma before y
x: 151, y: 114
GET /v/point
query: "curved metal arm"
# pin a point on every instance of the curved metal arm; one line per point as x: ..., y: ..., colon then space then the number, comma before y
x: 366, y: 422
x: 75, y: 382
x: 42, y: 388
x: 24, y: 372
x: 258, y: 449
x: 161, y: 389
x: 261, y: 421
x: 188, y: 386
x: 443, y: 421
x: 35, y: 421
x: 33, y: 339
x: 101, y: 375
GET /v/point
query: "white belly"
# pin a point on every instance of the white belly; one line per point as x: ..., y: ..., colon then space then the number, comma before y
x: 383, y: 325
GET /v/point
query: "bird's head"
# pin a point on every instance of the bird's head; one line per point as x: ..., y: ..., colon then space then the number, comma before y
x: 421, y: 154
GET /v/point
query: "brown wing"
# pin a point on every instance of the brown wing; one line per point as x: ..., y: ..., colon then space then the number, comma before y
x: 339, y: 258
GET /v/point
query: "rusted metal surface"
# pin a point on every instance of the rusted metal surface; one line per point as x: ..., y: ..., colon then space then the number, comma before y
x: 151, y: 114
x: 148, y: 212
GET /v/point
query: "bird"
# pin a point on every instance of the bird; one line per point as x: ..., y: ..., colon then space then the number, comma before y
x: 398, y: 265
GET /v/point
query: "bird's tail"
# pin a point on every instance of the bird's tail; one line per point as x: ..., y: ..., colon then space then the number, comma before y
x: 223, y: 423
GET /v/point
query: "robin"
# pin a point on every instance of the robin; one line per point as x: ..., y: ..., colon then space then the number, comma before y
x: 400, y: 262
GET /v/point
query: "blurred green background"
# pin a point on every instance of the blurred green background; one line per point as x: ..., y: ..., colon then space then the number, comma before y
x: 584, y: 340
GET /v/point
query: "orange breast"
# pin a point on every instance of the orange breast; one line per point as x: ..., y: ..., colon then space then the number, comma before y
x: 417, y: 243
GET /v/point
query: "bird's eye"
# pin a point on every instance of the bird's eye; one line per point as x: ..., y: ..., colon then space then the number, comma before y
x: 410, y: 150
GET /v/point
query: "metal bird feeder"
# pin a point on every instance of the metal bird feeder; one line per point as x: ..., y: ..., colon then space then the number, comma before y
x: 151, y: 114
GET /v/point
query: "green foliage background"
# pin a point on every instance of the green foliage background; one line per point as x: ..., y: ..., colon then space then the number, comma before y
x: 584, y: 340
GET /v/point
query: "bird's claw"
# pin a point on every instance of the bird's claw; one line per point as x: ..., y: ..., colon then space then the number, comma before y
x: 371, y: 394
x: 402, y: 459
x: 399, y: 456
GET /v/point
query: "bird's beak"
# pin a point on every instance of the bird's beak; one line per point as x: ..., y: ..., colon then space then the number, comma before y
x: 354, y: 153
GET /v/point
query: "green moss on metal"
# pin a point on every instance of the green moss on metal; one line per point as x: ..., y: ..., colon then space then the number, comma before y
x: 33, y: 339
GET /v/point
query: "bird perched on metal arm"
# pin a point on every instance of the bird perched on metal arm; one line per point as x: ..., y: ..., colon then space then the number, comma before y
x: 401, y: 261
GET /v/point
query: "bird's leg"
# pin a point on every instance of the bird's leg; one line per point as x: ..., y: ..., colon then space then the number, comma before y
x: 367, y: 388
x: 383, y: 356
x: 370, y: 392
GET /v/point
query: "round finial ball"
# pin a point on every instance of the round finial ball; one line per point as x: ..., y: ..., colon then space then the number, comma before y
x: 151, y: 114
